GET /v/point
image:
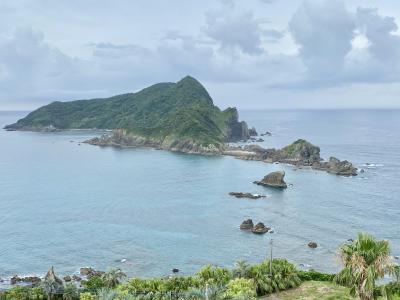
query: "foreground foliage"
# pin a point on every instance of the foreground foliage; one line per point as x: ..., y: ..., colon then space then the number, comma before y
x: 365, y: 260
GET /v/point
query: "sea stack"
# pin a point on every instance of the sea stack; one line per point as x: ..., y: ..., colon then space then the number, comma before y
x: 247, y: 225
x: 274, y: 179
x: 260, y: 228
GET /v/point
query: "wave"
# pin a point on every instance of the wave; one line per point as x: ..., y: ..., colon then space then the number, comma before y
x: 372, y: 165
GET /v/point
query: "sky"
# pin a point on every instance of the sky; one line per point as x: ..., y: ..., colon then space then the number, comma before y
x: 253, y: 54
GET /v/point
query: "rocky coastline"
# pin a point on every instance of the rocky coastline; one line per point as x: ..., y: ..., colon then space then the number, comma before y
x: 85, y: 273
x: 301, y: 153
x: 121, y: 138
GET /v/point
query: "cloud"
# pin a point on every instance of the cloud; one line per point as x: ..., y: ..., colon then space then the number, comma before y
x: 340, y: 47
x: 235, y: 32
x: 324, y: 31
x: 232, y: 45
x: 379, y: 30
x: 29, y: 65
x: 273, y: 35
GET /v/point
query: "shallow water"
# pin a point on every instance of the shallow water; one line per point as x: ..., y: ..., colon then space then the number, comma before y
x: 70, y: 205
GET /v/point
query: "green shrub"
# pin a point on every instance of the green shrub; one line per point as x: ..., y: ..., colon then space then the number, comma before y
x: 284, y: 276
x: 93, y: 283
x: 313, y: 275
x: 87, y: 296
x: 23, y: 293
x: 214, y: 276
x: 70, y: 292
x: 173, y: 285
x: 241, y: 288
x: 394, y: 287
x: 18, y: 293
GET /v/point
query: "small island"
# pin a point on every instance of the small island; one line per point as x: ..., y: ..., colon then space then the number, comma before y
x: 179, y: 117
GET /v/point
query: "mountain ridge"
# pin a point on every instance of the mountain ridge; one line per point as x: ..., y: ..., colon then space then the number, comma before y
x: 182, y: 111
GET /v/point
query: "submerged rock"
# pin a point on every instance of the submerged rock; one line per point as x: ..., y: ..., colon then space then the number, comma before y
x: 274, y: 179
x: 246, y: 195
x: 247, y: 225
x: 312, y: 245
x: 260, y: 228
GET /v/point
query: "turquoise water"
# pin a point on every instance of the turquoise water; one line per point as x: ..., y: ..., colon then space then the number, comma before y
x: 71, y: 205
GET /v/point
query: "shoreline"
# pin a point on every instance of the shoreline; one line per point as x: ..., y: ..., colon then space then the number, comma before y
x: 307, y: 155
x: 300, y: 153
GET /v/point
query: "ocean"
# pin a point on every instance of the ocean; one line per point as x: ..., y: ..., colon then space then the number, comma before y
x: 69, y: 205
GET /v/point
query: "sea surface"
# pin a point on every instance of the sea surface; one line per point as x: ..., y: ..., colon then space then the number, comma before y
x: 68, y: 205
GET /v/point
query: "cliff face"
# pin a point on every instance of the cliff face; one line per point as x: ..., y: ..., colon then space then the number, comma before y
x: 182, y: 111
x: 236, y: 130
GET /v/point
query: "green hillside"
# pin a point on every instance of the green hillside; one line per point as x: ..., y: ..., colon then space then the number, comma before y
x: 182, y: 110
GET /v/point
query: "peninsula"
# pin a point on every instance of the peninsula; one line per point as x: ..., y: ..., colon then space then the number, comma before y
x: 177, y: 117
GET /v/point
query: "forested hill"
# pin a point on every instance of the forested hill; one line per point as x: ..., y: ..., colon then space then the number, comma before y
x: 182, y: 110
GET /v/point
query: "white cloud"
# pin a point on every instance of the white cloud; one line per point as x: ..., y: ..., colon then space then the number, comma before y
x: 232, y: 44
x: 324, y: 31
x: 235, y: 32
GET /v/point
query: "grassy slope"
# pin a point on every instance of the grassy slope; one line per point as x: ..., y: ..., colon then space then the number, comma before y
x: 175, y: 110
x: 314, y: 290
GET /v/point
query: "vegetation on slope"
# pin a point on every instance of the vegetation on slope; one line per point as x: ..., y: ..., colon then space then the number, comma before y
x: 175, y: 110
x: 244, y: 282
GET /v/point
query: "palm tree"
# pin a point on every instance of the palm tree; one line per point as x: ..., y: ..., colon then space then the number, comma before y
x: 365, y: 260
x: 113, y: 277
x: 241, y: 270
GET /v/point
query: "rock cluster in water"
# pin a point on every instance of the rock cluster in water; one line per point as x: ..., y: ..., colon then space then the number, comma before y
x: 247, y: 225
x: 274, y: 179
x: 259, y: 228
x: 85, y: 272
x: 300, y: 153
x: 312, y: 245
x: 89, y: 272
x: 246, y: 195
x: 33, y: 280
